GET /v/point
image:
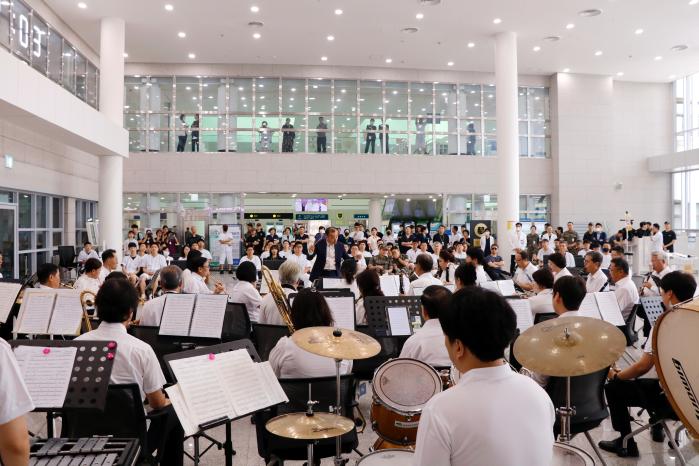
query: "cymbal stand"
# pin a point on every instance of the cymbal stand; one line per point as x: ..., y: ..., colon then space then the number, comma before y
x: 309, y: 413
x: 567, y: 412
x: 338, y: 460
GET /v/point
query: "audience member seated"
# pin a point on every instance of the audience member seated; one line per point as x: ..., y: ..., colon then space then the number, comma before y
x: 542, y: 303
x: 245, y: 290
x: 89, y: 280
x: 617, y: 252
x: 87, y: 253
x: 557, y: 264
x: 288, y: 360
x: 624, y: 288
x: 289, y: 274
x: 546, y: 250
x: 151, y: 264
x: 251, y: 257
x: 368, y: 284
x: 423, y: 270
x: 596, y: 279
x: 474, y: 255
x: 493, y: 260
x: 563, y: 250
x: 130, y: 263
x: 427, y: 343
x: 446, y: 267
x: 170, y: 282
x: 199, y: 273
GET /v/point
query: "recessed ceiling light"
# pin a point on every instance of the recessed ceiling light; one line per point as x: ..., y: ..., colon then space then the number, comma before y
x: 338, y: 12
x: 598, y: 53
x: 638, y: 31
x: 419, y: 16
x: 679, y: 48
x: 471, y: 45
x: 126, y: 55
x: 331, y: 38
x: 620, y: 73
x: 566, y: 70
x: 323, y: 58
x: 658, y: 58
x: 254, y: 8
x: 672, y: 76
x: 169, y: 7
x: 451, y: 63
x: 570, y: 26
x: 256, y: 35
x: 181, y: 35
x: 192, y: 56
x: 590, y: 13
x: 408, y: 199
x: 389, y: 60
x: 82, y: 5
x: 536, y: 48
x: 693, y: 2
x: 497, y: 21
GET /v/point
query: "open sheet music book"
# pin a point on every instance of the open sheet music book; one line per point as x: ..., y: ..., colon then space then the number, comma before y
x: 501, y: 287
x: 602, y: 306
x: 390, y: 284
x: 46, y: 373
x: 342, y: 309
x: 49, y: 312
x: 334, y: 283
x: 8, y: 296
x: 523, y: 310
x: 224, y: 385
x: 264, y: 287
x: 193, y: 315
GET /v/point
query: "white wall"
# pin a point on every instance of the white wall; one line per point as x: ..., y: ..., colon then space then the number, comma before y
x: 603, y: 132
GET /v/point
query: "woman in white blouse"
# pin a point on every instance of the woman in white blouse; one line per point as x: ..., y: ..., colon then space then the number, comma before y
x: 245, y: 291
x: 542, y: 303
x: 288, y: 361
x: 446, y: 266
x: 287, y: 236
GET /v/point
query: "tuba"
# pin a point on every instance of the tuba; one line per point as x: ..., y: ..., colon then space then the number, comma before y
x: 85, y: 301
x: 279, y: 298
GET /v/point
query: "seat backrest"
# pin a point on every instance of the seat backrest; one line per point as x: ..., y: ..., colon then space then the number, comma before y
x: 586, y: 394
x: 273, y: 264
x: 323, y: 390
x: 544, y: 316
x: 266, y: 337
x: 66, y: 255
x: 236, y: 322
x: 628, y: 330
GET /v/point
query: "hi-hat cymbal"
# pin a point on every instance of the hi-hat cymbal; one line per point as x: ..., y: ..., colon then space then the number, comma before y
x: 336, y: 343
x: 303, y: 427
x: 569, y: 346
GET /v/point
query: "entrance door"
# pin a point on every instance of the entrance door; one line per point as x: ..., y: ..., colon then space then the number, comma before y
x: 8, y: 241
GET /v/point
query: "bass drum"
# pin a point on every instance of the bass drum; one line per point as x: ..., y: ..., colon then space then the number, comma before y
x: 676, y: 346
x: 382, y: 444
x: 567, y: 455
x: 394, y: 457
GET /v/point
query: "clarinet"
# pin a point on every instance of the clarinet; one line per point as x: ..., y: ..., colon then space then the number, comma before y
x: 401, y: 288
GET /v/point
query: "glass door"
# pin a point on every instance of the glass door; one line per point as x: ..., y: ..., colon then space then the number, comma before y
x: 8, y: 240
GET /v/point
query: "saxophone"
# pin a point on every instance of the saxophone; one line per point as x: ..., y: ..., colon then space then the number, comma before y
x: 279, y: 298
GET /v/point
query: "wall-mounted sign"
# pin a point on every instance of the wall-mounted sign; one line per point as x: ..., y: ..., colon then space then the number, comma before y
x: 266, y: 215
x: 311, y: 216
x: 361, y: 216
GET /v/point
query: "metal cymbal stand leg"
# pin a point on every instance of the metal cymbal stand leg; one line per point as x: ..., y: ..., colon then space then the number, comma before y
x: 309, y: 413
x: 338, y: 461
x: 566, y: 414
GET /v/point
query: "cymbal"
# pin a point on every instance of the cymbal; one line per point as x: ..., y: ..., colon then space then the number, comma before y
x: 569, y: 346
x: 303, y: 427
x: 336, y: 343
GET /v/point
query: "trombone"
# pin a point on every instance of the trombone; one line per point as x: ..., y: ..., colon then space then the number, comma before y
x: 279, y: 298
x: 85, y: 303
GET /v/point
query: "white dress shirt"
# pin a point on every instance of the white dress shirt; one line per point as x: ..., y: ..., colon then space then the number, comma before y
x: 443, y: 275
x: 653, y: 290
x: 518, y: 240
x: 153, y: 263
x: 544, y: 252
x: 455, y: 238
x: 542, y: 303
x: 135, y: 360
x: 206, y: 253
x: 466, y: 424
x: 570, y: 259
x: 423, y: 281
x: 656, y: 242
x: 357, y: 236
x: 194, y: 283
x: 359, y: 311
x: 412, y: 254
x: 14, y: 396
x: 525, y: 275
x: 389, y: 238
x: 85, y: 283
x: 626, y: 295
x: 373, y: 243
x: 246, y: 293
x: 427, y: 345
x: 301, y: 260
x: 595, y: 281
x: 226, y: 236
x: 269, y: 313
x: 255, y: 260
x: 330, y: 257
x: 83, y: 256
x: 648, y: 349
x: 104, y: 271
x: 131, y: 264
x: 606, y: 260
x: 481, y: 275
x: 288, y: 361
x: 549, y: 236
x: 561, y: 273
x: 152, y: 311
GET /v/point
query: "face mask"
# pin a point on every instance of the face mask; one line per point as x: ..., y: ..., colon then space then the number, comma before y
x: 605, y: 250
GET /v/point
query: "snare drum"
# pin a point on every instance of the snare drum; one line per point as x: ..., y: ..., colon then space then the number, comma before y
x: 394, y: 457
x: 568, y: 455
x: 402, y: 387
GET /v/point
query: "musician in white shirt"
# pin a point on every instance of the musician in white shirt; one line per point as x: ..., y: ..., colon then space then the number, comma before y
x: 545, y: 250
x: 656, y: 239
x: 459, y: 251
x: 524, y: 274
x: 245, y: 291
x: 650, y: 287
x: 302, y: 260
x: 427, y: 343
x: 542, y: 302
x: 49, y: 276
x: 557, y: 264
x: 251, y: 257
x: 423, y: 270
x: 624, y: 288
x: 474, y: 255
x: 86, y: 253
x: 195, y: 281
x: 446, y: 267
x: 289, y: 274
x: 464, y: 425
x: 596, y: 279
x: 170, y: 282
x: 225, y: 239
x: 288, y: 360
x: 286, y: 250
x: 109, y: 264
x: 89, y: 280
x: 151, y: 264
x: 15, y: 403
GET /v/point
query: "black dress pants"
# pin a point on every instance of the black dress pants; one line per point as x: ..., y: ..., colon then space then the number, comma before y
x: 321, y: 145
x: 372, y: 143
x: 167, y: 426
x: 640, y: 393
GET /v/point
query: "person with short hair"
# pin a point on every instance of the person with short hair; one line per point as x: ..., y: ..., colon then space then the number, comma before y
x: 563, y: 250
x: 542, y: 302
x: 545, y: 250
x: 15, y: 403
x: 465, y: 275
x: 251, y: 257
x: 199, y: 273
x: 596, y: 279
x: 49, y: 275
x: 89, y: 280
x: 245, y: 291
x: 656, y: 239
x: 461, y: 425
x: 624, y: 288
x: 423, y: 270
x: 130, y: 263
x: 86, y: 253
x: 202, y: 247
x: 289, y: 275
x: 110, y: 262
x: 557, y: 264
x: 329, y: 254
x: 170, y: 282
x: 151, y: 264
x: 669, y: 238
x: 524, y: 274
x: 225, y: 257
x: 427, y: 343
x: 474, y: 255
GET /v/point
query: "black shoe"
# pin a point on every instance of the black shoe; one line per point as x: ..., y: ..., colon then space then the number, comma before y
x: 657, y: 433
x: 615, y: 446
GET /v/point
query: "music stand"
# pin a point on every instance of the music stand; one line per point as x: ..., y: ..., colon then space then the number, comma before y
x: 92, y: 369
x: 653, y: 307
x: 375, y: 307
x: 273, y: 264
x: 181, y: 264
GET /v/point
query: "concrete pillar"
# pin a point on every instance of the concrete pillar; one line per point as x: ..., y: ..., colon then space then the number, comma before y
x: 111, y: 173
x: 508, y: 147
x: 375, y: 213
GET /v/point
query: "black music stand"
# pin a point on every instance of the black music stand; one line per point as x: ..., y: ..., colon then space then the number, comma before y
x: 377, y: 319
x: 92, y: 369
x: 85, y: 451
x: 227, y: 445
x: 181, y: 264
x: 273, y: 264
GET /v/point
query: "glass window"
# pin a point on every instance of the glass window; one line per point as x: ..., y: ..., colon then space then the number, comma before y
x: 186, y: 95
x: 320, y: 137
x: 319, y: 95
x: 39, y: 44
x: 56, y: 212
x: 55, y: 55
x: 25, y: 210
x: 7, y: 197
x: 68, y: 76
x: 420, y: 99
x: 41, y: 240
x: 396, y: 99
x: 42, y: 210
x: 91, y: 81
x: 21, y: 30
x: 132, y: 94
x: 370, y: 98
x: 445, y: 100
x: 25, y: 240
x: 240, y: 96
x: 5, y: 23
x: 213, y: 95
x: 266, y: 98
x: 80, y: 76
x: 57, y: 239
x: 489, y: 98
x: 346, y: 92
x: 470, y: 100
x: 538, y: 102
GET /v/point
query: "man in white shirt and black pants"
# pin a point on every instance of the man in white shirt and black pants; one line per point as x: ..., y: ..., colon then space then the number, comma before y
x: 596, y: 279
x: 423, y: 270
x: 427, y: 343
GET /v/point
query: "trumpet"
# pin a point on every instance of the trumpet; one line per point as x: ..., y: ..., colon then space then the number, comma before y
x: 85, y: 302
x: 279, y: 298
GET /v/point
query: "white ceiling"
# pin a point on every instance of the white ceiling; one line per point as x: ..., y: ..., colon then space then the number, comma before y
x: 368, y: 32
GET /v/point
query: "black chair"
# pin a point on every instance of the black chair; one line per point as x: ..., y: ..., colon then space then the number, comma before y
x: 236, y: 323
x: 266, y: 337
x: 123, y: 417
x: 273, y: 264
x: 323, y: 391
x: 543, y: 316
x: 181, y: 264
x: 516, y: 365
x: 579, y: 261
x: 153, y: 286
x: 629, y: 329
x: 587, y: 397
x: 66, y: 257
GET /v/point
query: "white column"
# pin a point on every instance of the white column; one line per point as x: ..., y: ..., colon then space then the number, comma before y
x: 507, y: 127
x: 111, y: 171
x: 375, y: 210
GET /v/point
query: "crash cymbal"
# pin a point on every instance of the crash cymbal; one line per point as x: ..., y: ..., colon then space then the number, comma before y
x: 569, y: 346
x: 304, y: 427
x: 336, y: 343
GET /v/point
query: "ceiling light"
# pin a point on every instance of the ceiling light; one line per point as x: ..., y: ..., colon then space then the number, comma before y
x: 570, y: 26
x: 451, y: 63
x: 620, y: 73
x: 82, y: 5
x: 497, y: 21
x: 389, y: 60
x: 181, y: 35
x: 256, y: 35
x: 338, y: 12
x: 331, y: 38
x: 419, y: 16
x: 408, y: 199
x: 536, y: 48
x: 471, y: 45
x: 126, y: 55
x: 323, y: 58
x: 566, y: 70
x: 638, y: 31
x: 409, y: 30
x: 254, y: 8
x: 679, y: 48
x: 693, y: 2
x: 658, y: 58
x: 672, y: 76
x: 590, y: 13
x: 169, y: 7
x: 598, y: 53
x: 192, y: 56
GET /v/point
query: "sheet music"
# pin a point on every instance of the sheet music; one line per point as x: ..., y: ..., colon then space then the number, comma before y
x: 8, y: 296
x: 398, y: 321
x: 46, y: 375
x: 653, y: 305
x: 342, y: 310
x: 67, y: 314
x: 209, y: 312
x: 37, y: 311
x: 271, y: 384
x: 609, y: 308
x: 589, y: 308
x: 184, y: 415
x: 390, y: 285
x: 206, y: 397
x: 523, y: 310
x: 264, y: 288
x: 418, y: 290
x: 237, y: 372
x: 177, y: 314
x: 507, y: 287
x: 332, y: 283
x: 491, y: 286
